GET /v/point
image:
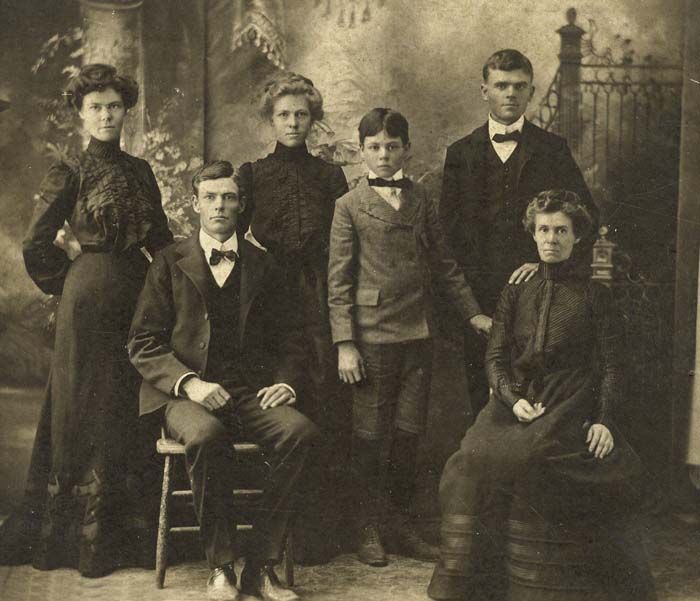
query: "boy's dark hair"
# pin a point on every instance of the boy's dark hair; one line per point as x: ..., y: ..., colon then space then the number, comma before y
x: 383, y: 119
x: 214, y: 170
x: 97, y: 77
x: 507, y: 60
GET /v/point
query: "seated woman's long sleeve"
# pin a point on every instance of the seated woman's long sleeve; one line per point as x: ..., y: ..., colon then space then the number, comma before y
x: 498, y: 351
x: 610, y: 344
x: 47, y: 264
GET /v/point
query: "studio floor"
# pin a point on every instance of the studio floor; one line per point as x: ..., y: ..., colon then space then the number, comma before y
x: 674, y: 546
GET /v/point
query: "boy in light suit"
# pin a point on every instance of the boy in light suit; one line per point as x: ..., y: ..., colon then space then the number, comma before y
x: 387, y: 254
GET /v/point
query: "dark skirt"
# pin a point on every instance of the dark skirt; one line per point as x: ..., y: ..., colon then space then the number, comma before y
x: 503, y: 465
x: 84, y: 487
x: 322, y: 525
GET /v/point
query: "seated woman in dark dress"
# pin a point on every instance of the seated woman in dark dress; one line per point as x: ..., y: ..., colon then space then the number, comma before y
x: 543, y: 479
x: 83, y: 494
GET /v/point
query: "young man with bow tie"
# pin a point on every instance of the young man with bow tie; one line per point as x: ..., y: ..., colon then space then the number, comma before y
x: 489, y: 177
x: 387, y: 255
x: 219, y: 355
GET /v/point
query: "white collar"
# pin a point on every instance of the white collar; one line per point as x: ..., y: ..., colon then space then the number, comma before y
x: 499, y: 128
x: 208, y: 243
x: 398, y: 175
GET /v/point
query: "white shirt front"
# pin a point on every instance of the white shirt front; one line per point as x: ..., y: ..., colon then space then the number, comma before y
x: 223, y: 269
x: 504, y: 149
x: 391, y: 195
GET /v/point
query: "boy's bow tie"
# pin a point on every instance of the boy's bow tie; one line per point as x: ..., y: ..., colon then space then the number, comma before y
x: 378, y: 182
x: 512, y: 136
x: 217, y: 255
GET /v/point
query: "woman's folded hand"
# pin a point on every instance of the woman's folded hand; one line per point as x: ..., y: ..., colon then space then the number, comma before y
x: 525, y: 412
x: 600, y: 441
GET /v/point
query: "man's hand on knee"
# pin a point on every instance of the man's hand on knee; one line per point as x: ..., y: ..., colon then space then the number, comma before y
x: 276, y: 395
x: 209, y: 394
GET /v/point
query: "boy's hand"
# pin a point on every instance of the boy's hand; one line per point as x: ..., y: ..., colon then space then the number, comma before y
x: 526, y: 413
x: 208, y: 394
x: 351, y: 367
x: 523, y: 273
x: 481, y: 324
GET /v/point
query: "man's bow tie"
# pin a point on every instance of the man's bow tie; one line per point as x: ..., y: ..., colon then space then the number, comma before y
x: 512, y: 136
x: 378, y: 182
x: 217, y: 255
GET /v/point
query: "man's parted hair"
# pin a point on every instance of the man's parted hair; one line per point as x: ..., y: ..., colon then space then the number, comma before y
x: 507, y: 60
x: 555, y: 201
x: 214, y: 170
x: 384, y: 119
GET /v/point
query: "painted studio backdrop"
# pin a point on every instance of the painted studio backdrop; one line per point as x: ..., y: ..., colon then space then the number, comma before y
x: 608, y: 76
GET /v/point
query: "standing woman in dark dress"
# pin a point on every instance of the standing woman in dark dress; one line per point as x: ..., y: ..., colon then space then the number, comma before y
x: 290, y: 197
x: 82, y: 491
x: 544, y: 468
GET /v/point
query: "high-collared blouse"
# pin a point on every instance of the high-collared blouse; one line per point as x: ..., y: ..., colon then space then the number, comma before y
x: 290, y: 197
x: 111, y: 201
x: 556, y: 323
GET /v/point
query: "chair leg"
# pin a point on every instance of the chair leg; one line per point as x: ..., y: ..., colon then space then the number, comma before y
x: 162, y: 542
x: 289, y: 559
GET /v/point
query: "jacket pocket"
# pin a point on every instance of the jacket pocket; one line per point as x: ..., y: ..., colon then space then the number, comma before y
x: 367, y: 297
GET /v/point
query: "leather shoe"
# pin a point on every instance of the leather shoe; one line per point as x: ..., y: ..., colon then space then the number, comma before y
x: 261, y: 581
x: 407, y: 542
x: 370, y: 549
x: 221, y: 585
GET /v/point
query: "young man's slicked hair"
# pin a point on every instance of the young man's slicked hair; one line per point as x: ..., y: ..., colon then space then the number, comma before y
x: 213, y: 170
x: 507, y: 60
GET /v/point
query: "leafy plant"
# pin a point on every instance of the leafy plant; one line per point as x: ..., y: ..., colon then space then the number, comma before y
x: 172, y: 168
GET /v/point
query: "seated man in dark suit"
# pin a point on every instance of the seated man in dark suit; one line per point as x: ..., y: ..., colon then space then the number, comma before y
x: 489, y: 178
x: 210, y: 336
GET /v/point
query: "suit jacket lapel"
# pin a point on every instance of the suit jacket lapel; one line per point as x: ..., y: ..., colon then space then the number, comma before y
x: 373, y: 204
x: 481, y: 143
x: 528, y: 145
x: 194, y: 265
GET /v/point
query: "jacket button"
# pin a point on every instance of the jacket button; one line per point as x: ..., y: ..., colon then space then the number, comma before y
x: 202, y: 345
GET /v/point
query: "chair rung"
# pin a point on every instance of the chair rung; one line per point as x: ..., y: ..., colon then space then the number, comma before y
x: 168, y: 446
x: 193, y: 529
x: 237, y: 492
x: 247, y: 492
x: 177, y: 529
x: 246, y: 448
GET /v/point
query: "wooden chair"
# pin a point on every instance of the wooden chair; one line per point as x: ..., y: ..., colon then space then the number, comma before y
x: 170, y: 449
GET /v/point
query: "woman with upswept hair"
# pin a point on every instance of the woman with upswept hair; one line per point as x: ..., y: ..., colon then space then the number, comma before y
x: 82, y: 497
x: 290, y: 197
x: 544, y: 478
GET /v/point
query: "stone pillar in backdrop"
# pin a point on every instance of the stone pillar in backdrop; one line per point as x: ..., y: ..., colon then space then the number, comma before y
x: 569, y: 85
x: 113, y: 35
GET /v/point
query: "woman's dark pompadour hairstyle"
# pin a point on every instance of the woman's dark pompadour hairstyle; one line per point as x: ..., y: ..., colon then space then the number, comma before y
x: 287, y: 83
x: 97, y: 77
x: 555, y: 201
